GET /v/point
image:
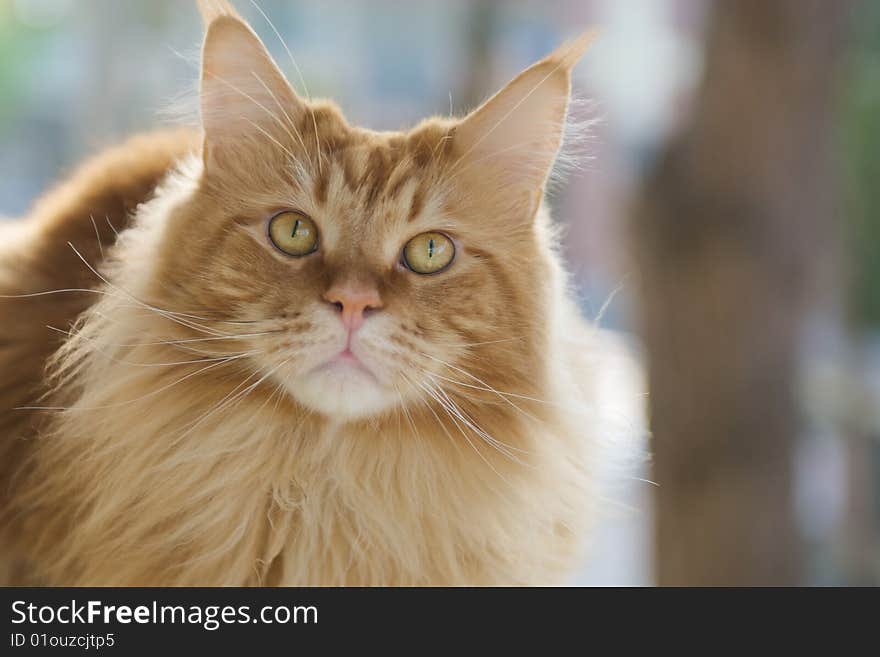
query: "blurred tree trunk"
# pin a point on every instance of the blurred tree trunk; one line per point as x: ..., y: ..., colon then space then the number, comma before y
x: 730, y: 234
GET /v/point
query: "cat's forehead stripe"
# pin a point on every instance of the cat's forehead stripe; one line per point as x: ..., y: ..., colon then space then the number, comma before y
x: 373, y: 174
x: 372, y: 165
x: 417, y: 203
x: 321, y: 184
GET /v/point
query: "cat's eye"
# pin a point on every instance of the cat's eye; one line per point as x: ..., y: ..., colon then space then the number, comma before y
x: 428, y: 253
x: 293, y: 233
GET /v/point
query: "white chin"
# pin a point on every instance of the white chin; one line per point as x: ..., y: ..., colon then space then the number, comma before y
x: 342, y: 390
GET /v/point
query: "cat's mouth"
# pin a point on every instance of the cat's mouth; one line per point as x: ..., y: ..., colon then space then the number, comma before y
x: 344, y: 385
x: 346, y: 363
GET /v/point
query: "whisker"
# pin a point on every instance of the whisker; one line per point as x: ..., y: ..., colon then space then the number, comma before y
x: 284, y: 45
x: 283, y: 111
x: 502, y: 447
x: 476, y: 344
x: 478, y: 380
x: 428, y: 405
x: 152, y: 393
x: 112, y: 227
x: 284, y: 148
x: 97, y: 235
x: 181, y: 362
x: 607, y: 304
x: 256, y: 102
x: 172, y: 316
x: 407, y: 414
x: 165, y: 342
x: 566, y: 407
x: 457, y: 412
x: 230, y: 400
x: 138, y: 304
x: 465, y: 436
x: 301, y: 79
x: 50, y: 292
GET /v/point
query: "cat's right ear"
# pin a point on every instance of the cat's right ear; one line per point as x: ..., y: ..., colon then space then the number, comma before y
x: 244, y: 96
x: 511, y: 141
x: 211, y: 9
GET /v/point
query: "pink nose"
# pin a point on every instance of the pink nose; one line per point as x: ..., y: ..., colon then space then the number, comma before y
x: 353, y: 302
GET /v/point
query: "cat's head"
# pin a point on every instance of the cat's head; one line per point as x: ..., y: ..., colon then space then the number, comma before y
x: 365, y: 269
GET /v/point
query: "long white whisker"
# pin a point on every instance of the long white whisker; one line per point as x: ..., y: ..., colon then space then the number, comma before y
x: 268, y: 136
x: 98, y: 236
x: 51, y: 292
x: 165, y: 342
x: 256, y: 102
x: 451, y: 407
x: 301, y: 78
x: 297, y: 136
x: 230, y: 400
x: 464, y: 435
x: 607, y: 304
x: 138, y: 304
x: 502, y: 447
x: 175, y: 317
x: 480, y: 381
x: 463, y: 345
x: 152, y: 393
x: 425, y: 401
x: 284, y: 45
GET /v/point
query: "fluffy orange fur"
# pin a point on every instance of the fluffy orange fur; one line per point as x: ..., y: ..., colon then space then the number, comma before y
x: 191, y: 431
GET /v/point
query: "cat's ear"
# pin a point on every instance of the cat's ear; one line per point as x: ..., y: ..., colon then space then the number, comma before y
x: 513, y: 138
x: 243, y: 93
x: 211, y: 9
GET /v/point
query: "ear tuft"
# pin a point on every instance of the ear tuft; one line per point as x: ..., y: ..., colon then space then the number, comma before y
x: 570, y: 52
x: 512, y: 140
x: 213, y: 9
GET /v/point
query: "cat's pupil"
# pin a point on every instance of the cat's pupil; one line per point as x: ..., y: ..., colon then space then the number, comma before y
x: 295, y: 228
x: 431, y: 248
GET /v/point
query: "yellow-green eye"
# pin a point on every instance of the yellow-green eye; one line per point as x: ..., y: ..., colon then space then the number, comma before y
x: 294, y: 233
x: 428, y: 253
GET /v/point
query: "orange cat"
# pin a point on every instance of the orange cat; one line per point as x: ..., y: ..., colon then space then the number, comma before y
x: 318, y: 354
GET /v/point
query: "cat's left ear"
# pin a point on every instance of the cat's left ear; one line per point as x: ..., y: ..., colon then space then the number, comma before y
x: 511, y: 141
x: 243, y: 93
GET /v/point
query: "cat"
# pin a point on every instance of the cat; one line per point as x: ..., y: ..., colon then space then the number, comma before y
x: 292, y: 351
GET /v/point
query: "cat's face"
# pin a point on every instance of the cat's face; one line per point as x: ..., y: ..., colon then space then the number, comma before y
x: 365, y: 270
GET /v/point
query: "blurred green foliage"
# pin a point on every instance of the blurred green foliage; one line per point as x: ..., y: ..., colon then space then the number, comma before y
x: 18, y: 44
x: 861, y: 142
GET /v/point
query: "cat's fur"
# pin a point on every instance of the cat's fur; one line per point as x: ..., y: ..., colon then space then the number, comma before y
x: 189, y: 433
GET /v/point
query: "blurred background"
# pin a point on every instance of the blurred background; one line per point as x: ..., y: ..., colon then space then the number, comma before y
x: 726, y: 216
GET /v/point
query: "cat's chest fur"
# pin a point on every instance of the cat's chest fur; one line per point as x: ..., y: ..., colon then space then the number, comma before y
x: 262, y: 494
x: 362, y: 505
